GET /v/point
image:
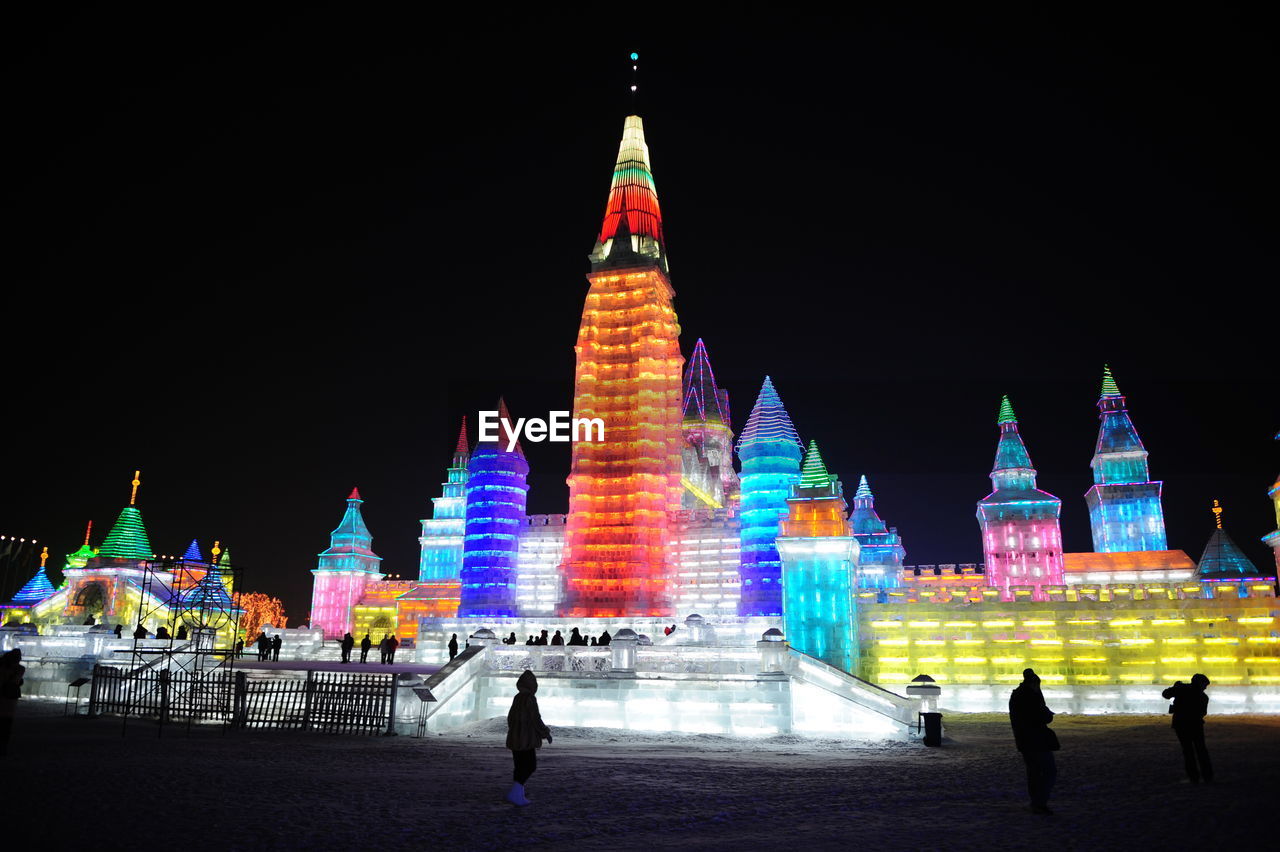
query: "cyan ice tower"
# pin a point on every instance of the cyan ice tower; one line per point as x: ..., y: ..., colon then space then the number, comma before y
x: 770, y: 452
x: 1020, y: 533
x: 819, y: 554
x: 441, y: 540
x: 1124, y: 504
x: 343, y: 572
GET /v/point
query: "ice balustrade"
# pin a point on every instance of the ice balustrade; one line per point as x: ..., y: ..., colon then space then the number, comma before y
x: 649, y: 659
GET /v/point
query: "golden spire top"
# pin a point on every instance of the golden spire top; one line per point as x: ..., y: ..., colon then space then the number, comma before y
x: 1217, y: 513
x: 43, y: 556
x: 216, y: 552
x: 87, y: 530
x: 137, y: 480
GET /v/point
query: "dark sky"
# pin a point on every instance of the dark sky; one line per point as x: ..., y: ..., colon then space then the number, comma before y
x: 269, y: 258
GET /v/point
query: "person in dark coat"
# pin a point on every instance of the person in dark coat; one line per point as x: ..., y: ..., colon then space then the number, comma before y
x: 557, y: 639
x: 511, y: 640
x: 605, y: 637
x: 1030, y: 717
x: 182, y: 632
x: 365, y: 644
x: 593, y: 642
x: 392, y: 644
x: 11, y: 672
x: 525, y: 733
x: 119, y: 630
x: 140, y: 632
x: 264, y: 646
x: 1190, y: 704
x: 348, y: 642
x: 162, y: 632
x: 453, y: 645
x: 575, y: 637
x: 382, y: 650
x: 239, y: 648
x: 542, y: 639
x: 528, y: 641
x: 276, y: 642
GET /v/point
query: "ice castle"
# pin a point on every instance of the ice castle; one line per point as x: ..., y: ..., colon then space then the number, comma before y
x: 766, y: 572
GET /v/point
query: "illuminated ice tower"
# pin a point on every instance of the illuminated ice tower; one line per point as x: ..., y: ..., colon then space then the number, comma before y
x: 497, y: 492
x: 707, y: 457
x: 1124, y: 504
x: 1020, y: 534
x: 622, y: 488
x: 1272, y: 538
x: 819, y: 553
x: 343, y: 572
x: 770, y: 452
x: 882, y: 553
x: 441, y: 539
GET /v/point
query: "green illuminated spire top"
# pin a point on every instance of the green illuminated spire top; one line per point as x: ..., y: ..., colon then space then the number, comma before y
x: 1006, y: 412
x: 1109, y: 387
x: 128, y: 538
x: 814, y: 473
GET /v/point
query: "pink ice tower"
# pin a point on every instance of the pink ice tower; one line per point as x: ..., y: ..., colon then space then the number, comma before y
x: 1020, y: 534
x: 343, y: 572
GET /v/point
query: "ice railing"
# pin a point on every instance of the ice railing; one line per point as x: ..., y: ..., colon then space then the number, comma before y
x: 650, y: 659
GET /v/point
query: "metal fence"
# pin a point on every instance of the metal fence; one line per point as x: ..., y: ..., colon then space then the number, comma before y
x: 334, y: 702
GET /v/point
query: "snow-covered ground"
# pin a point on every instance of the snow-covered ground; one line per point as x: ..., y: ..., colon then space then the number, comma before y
x: 77, y: 783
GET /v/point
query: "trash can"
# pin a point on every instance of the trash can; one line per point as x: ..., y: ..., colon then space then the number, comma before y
x: 932, y: 728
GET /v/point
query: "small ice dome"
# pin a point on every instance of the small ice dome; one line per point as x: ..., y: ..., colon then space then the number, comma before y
x: 483, y: 633
x: 626, y: 634
x: 644, y: 639
x: 922, y: 678
x: 694, y: 620
x: 773, y: 634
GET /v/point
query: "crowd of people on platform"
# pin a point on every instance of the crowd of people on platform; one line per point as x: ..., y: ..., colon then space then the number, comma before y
x: 386, y: 648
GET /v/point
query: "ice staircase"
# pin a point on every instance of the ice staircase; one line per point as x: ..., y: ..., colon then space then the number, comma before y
x: 805, y: 697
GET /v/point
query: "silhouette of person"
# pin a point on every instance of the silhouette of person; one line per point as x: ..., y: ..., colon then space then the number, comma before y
x: 510, y: 640
x: 11, y: 672
x: 557, y: 639
x: 605, y: 637
x: 89, y: 620
x: 119, y: 630
x: 276, y: 642
x: 348, y: 642
x: 239, y: 648
x: 593, y: 642
x: 453, y: 645
x: 528, y: 641
x: 392, y: 644
x: 525, y: 733
x: 1190, y: 704
x: 1030, y: 717
x: 140, y: 632
x: 162, y: 632
x: 542, y: 638
x: 575, y: 637
x: 182, y: 631
x: 264, y: 646
x: 382, y: 649
x: 365, y: 644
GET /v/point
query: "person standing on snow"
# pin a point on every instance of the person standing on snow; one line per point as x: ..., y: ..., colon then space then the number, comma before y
x: 1030, y: 717
x: 1190, y: 704
x: 525, y: 733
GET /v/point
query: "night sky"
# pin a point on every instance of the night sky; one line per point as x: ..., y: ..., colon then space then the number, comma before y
x: 269, y: 258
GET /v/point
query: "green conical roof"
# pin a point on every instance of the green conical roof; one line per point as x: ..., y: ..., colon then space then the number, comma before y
x: 1006, y: 411
x: 128, y: 538
x: 814, y: 473
x: 1109, y: 386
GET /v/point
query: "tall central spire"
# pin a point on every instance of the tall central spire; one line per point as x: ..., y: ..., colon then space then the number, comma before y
x: 631, y: 234
x: 628, y: 375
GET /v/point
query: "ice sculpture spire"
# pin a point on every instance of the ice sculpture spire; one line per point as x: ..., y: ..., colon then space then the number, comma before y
x: 192, y: 553
x: 37, y: 588
x: 82, y: 556
x: 343, y: 571
x: 770, y: 451
x: 631, y: 234
x: 440, y: 557
x: 1020, y: 533
x: 707, y: 454
x: 882, y: 553
x: 128, y: 537
x: 1125, y: 512
x: 497, y: 491
x: 818, y: 553
x: 1222, y: 558
x: 628, y: 374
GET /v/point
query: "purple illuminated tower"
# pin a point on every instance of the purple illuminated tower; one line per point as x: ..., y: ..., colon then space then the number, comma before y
x: 1020, y: 534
